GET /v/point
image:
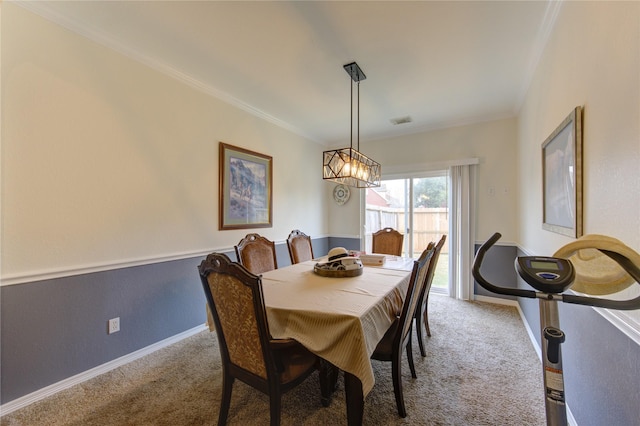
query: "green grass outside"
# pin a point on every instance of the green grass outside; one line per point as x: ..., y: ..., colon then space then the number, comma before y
x: 441, y: 276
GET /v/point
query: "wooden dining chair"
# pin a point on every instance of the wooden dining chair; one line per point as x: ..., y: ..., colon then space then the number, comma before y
x: 249, y: 354
x: 299, y: 245
x: 387, y: 241
x: 257, y: 254
x: 422, y: 312
x: 399, y: 334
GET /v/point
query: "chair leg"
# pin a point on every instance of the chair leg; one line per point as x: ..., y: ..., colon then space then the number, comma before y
x: 419, y: 332
x: 225, y: 402
x: 426, y: 321
x: 328, y: 375
x: 396, y: 372
x: 410, y: 359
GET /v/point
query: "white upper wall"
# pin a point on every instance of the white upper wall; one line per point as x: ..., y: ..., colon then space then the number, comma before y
x: 107, y: 161
x: 493, y: 143
x: 592, y: 60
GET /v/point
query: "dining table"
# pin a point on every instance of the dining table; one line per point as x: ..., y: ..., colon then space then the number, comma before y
x: 339, y: 319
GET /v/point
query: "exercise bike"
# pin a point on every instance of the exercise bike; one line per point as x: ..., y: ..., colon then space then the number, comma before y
x: 551, y: 277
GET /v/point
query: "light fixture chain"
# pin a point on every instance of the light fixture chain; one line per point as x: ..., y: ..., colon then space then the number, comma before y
x: 358, y: 115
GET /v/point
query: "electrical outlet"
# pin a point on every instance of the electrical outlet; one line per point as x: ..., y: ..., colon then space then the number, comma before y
x: 114, y: 325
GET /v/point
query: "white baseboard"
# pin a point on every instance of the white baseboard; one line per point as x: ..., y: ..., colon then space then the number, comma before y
x: 531, y: 333
x: 496, y: 300
x: 96, y: 371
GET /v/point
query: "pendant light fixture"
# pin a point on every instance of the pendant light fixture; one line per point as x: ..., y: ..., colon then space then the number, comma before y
x: 349, y: 166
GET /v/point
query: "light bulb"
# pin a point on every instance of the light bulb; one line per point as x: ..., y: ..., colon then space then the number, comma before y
x: 347, y: 168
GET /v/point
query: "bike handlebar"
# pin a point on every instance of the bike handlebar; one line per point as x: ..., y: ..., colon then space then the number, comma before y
x: 623, y: 261
x: 486, y: 284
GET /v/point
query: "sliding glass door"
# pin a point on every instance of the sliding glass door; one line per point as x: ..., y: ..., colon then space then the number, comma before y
x: 418, y: 208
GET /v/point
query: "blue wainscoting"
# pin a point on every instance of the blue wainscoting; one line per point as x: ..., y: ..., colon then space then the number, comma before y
x: 498, y: 268
x: 348, y: 243
x: 54, y: 329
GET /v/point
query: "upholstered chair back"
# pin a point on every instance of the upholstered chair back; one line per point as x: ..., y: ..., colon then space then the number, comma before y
x: 300, y: 248
x: 257, y: 254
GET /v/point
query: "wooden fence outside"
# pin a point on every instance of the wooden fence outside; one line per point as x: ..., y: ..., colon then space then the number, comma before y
x: 429, y: 224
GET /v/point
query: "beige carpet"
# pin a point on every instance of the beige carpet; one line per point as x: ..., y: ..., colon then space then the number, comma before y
x: 481, y: 369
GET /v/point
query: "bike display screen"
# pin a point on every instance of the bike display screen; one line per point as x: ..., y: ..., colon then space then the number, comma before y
x: 545, y: 265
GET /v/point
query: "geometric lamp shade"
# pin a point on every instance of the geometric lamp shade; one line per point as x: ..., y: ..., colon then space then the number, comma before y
x: 350, y: 167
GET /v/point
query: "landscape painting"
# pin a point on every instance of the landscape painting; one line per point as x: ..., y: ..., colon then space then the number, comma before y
x: 245, y: 188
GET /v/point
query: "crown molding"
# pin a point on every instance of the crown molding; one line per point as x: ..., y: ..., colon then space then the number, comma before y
x: 100, y: 37
x: 544, y: 33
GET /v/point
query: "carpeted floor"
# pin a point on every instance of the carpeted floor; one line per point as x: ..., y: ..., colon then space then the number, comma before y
x: 480, y: 369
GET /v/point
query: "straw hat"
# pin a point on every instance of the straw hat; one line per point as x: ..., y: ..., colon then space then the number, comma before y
x: 597, y: 273
x: 339, y: 260
x: 339, y: 253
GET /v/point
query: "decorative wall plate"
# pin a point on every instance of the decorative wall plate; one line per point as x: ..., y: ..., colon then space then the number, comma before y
x: 341, y: 194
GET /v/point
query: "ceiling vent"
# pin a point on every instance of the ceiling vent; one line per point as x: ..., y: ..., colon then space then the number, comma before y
x: 401, y: 120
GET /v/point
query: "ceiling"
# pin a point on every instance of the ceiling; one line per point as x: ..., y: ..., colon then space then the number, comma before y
x: 442, y: 64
